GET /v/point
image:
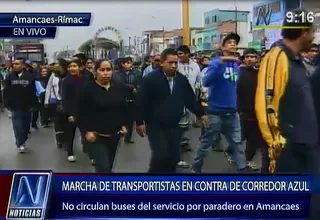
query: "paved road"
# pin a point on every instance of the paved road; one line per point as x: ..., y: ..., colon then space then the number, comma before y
x: 43, y: 154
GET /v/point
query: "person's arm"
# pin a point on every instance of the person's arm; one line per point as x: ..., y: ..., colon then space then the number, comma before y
x: 190, y: 100
x: 84, y: 110
x: 48, y: 90
x: 142, y: 100
x: 33, y: 94
x: 214, y: 70
x: 67, y: 97
x: 271, y: 84
x: 240, y: 93
x: 7, y: 91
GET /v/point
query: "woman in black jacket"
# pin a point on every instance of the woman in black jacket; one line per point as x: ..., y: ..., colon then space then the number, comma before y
x: 102, y: 112
x: 71, y: 86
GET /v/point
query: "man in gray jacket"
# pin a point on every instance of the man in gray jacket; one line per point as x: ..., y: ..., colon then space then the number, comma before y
x: 308, y: 58
x: 191, y: 70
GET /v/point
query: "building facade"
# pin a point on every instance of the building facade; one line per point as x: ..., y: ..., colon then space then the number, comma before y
x: 214, y: 19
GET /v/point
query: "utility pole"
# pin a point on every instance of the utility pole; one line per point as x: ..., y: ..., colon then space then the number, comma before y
x: 236, y: 17
x: 185, y: 22
x: 163, y: 33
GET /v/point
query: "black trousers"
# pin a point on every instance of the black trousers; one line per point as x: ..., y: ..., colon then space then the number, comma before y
x: 299, y: 158
x: 35, y: 117
x: 105, y: 150
x: 87, y: 146
x: 251, y: 133
x: 44, y: 115
x: 129, y: 121
x: 70, y: 133
x: 59, y: 124
x: 165, y: 148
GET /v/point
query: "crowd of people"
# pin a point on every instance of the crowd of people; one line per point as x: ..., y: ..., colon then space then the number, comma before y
x: 269, y: 100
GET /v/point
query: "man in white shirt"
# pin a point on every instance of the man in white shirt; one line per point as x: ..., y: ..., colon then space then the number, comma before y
x: 191, y: 70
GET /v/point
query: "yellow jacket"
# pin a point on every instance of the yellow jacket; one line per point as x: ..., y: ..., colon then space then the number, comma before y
x: 272, y: 81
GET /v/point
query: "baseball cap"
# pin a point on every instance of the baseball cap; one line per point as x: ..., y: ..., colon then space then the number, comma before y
x: 233, y: 36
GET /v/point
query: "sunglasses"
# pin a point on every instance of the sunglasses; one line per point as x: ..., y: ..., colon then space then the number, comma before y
x: 314, y: 51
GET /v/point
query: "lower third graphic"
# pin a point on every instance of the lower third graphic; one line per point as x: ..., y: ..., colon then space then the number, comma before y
x: 29, y: 196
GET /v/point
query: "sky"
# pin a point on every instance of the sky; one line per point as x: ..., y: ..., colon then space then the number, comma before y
x: 130, y: 17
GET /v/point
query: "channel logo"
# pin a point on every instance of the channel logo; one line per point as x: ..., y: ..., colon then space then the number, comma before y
x: 28, y: 196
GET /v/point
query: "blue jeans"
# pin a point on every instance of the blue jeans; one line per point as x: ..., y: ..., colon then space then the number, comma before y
x: 229, y: 126
x: 21, y: 126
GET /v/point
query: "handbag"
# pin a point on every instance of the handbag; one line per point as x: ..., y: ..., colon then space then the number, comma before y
x: 55, y: 103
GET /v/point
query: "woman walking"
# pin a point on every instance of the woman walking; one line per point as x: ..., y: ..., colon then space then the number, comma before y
x: 102, y: 112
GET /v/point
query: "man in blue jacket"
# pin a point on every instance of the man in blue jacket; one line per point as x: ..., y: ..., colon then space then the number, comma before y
x: 220, y: 79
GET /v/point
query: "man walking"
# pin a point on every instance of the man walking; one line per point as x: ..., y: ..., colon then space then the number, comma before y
x: 20, y: 98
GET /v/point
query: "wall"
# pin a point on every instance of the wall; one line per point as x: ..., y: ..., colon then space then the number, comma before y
x: 242, y: 30
x: 215, y: 17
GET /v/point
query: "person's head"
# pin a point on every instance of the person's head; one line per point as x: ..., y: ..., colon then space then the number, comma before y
x: 104, y: 71
x: 89, y: 63
x: 18, y: 65
x: 204, y: 61
x: 230, y: 42
x: 57, y: 69
x: 311, y: 52
x: 302, y: 37
x: 169, y: 61
x: 73, y: 67
x: 147, y: 60
x: 35, y: 66
x: 130, y: 61
x: 183, y: 53
x: 250, y: 56
x: 10, y: 68
x: 156, y: 61
x: 126, y: 63
x: 43, y: 72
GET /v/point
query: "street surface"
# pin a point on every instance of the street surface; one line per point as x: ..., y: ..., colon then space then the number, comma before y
x: 44, y: 155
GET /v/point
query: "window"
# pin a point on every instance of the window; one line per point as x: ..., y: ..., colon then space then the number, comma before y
x: 215, y: 18
x: 212, y: 38
x: 193, y: 42
x: 199, y: 41
x: 207, y: 20
x: 206, y: 39
x: 275, y: 7
x: 37, y: 57
x: 21, y: 55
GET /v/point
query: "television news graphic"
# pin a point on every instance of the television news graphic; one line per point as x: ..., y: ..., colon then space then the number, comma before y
x: 179, y: 196
x: 29, y: 196
x: 56, y: 19
x: 28, y: 32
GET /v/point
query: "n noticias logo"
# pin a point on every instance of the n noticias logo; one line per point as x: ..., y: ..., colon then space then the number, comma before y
x: 264, y: 15
x: 29, y: 195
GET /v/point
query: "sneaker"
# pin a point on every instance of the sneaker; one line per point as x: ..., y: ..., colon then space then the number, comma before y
x: 251, y: 166
x: 71, y: 158
x: 217, y: 149
x: 22, y: 149
x: 35, y: 129
x: 183, y: 164
x: 229, y: 158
